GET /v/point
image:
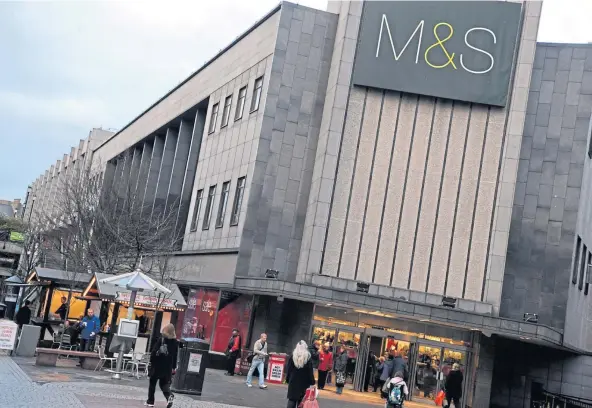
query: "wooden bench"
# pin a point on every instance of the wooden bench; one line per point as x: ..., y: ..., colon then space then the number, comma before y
x: 49, y: 357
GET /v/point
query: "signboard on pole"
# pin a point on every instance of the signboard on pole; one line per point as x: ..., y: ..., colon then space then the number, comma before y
x: 8, y: 331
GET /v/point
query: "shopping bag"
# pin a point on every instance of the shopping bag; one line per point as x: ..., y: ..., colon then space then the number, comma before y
x: 310, y: 398
x: 439, y: 400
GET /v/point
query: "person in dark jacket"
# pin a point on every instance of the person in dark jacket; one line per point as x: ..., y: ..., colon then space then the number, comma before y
x: 23, y: 316
x: 314, y: 354
x: 299, y: 374
x: 378, y: 383
x: 233, y: 351
x: 163, y: 365
x: 453, y: 386
x: 339, y: 367
x: 399, y: 365
x: 370, y: 367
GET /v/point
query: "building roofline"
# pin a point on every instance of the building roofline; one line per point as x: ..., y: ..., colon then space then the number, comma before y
x: 204, y: 66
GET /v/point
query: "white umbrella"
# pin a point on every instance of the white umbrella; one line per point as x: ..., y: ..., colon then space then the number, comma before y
x: 135, y: 282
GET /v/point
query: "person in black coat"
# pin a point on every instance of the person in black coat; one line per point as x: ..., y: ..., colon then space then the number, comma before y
x: 163, y: 364
x: 453, y: 386
x: 23, y: 316
x: 299, y: 374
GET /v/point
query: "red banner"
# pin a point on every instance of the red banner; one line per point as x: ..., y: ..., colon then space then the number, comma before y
x: 234, y: 312
x: 198, y: 321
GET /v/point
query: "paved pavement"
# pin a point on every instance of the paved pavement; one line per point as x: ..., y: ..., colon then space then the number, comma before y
x: 22, y: 384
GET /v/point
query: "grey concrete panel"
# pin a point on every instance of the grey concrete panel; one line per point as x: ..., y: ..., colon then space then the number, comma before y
x: 166, y: 169
x: 152, y: 180
x: 179, y: 165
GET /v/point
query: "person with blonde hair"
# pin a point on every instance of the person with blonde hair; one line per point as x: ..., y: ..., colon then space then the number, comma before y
x: 299, y: 374
x: 163, y: 365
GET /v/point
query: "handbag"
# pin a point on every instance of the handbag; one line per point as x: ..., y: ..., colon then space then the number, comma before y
x: 439, y: 400
x: 310, y: 398
x: 340, y: 378
x: 251, y: 354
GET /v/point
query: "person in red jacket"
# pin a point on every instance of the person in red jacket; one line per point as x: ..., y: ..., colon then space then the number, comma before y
x: 325, y: 364
x: 233, y: 351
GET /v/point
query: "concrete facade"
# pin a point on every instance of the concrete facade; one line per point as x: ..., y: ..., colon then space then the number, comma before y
x: 377, y: 200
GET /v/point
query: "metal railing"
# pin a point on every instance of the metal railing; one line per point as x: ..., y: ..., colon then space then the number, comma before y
x: 552, y: 400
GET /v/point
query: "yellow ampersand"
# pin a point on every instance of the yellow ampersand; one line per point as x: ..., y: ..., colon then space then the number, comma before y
x: 441, y: 44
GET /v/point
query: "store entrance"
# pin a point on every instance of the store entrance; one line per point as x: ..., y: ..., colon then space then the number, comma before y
x: 431, y: 364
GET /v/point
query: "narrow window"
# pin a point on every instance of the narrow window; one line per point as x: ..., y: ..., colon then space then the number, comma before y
x: 240, y: 105
x: 213, y: 118
x: 238, y: 200
x: 223, y: 204
x: 576, y: 261
x: 257, y: 94
x: 588, y: 262
x: 196, y: 208
x: 226, y: 111
x: 582, y: 266
x: 590, y: 145
x: 209, y: 204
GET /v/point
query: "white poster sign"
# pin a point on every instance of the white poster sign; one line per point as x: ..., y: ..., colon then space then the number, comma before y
x: 194, y: 363
x: 8, y: 331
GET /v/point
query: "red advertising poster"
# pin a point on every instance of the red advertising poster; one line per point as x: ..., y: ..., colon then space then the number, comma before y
x: 198, y: 321
x: 234, y: 312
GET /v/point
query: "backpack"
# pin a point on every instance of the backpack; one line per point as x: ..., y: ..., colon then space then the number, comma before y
x: 395, y: 396
x: 163, y: 350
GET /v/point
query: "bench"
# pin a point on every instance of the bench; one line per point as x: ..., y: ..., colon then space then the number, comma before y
x: 49, y: 357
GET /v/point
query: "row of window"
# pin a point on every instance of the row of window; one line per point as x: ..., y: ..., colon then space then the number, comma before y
x: 222, y: 206
x: 581, y: 266
x: 240, y: 106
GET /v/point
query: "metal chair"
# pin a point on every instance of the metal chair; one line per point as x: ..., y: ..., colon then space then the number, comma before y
x: 57, y: 340
x: 139, y: 360
x: 103, y: 359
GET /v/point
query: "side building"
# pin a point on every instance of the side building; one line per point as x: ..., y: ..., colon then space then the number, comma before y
x: 349, y: 176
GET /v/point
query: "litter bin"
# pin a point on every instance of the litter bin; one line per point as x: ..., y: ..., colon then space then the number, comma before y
x: 191, y: 367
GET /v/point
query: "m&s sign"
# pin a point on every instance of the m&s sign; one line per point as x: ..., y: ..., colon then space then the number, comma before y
x: 451, y: 49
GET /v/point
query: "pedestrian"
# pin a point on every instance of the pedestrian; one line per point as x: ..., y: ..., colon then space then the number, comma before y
x: 299, y: 374
x: 163, y: 365
x: 258, y: 363
x: 61, y: 311
x: 370, y: 367
x: 387, y: 371
x: 399, y: 365
x: 23, y: 316
x: 233, y: 351
x: 378, y: 383
x: 314, y: 354
x: 90, y: 327
x: 453, y: 386
x: 397, y: 391
x: 325, y: 364
x: 339, y: 368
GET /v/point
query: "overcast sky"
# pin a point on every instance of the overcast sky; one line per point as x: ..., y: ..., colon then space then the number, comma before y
x: 70, y: 66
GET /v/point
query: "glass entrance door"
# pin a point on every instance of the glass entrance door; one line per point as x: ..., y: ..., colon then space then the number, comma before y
x: 432, y: 366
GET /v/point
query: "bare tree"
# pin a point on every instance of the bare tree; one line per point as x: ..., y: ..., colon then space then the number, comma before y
x: 29, y: 244
x: 96, y: 225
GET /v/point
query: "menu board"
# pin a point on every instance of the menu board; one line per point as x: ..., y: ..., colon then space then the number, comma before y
x: 8, y: 331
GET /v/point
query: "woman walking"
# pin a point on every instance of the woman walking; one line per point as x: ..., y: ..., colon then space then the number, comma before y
x: 299, y: 374
x: 163, y: 364
x: 340, y: 366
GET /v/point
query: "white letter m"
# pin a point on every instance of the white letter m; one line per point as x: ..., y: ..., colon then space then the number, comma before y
x: 388, y: 30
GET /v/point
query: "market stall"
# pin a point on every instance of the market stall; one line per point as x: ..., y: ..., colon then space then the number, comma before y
x: 114, y: 303
x: 56, y: 285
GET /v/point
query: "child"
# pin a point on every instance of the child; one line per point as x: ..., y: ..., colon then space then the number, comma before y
x: 397, y: 391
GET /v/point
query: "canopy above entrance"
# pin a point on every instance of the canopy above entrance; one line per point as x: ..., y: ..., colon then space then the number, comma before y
x: 96, y: 290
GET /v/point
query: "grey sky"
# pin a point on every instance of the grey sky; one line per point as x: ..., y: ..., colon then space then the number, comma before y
x: 70, y: 66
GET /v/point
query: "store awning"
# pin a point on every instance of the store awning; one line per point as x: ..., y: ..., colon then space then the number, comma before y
x: 110, y: 293
x: 58, y: 276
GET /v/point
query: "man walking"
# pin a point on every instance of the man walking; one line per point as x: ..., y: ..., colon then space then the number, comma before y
x: 233, y: 351
x: 259, y: 356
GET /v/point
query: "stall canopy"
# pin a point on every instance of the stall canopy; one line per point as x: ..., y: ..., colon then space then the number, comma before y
x: 146, y: 299
x: 58, y: 276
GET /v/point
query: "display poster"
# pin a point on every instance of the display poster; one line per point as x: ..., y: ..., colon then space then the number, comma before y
x: 275, y: 371
x: 194, y: 363
x: 198, y: 319
x: 8, y: 331
x: 234, y: 312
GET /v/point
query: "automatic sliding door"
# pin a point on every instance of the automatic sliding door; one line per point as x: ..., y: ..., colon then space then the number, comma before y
x: 427, y: 367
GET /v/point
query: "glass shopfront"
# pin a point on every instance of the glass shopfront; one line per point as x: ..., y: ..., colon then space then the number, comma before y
x: 430, y: 350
